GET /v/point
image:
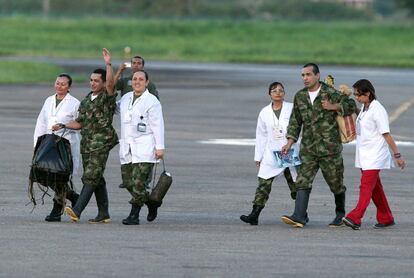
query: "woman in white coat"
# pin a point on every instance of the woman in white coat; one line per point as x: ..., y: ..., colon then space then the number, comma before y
x: 270, y: 136
x: 141, y: 144
x: 372, y: 154
x: 61, y: 107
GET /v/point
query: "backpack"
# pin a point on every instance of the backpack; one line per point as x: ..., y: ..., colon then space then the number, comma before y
x: 52, y: 165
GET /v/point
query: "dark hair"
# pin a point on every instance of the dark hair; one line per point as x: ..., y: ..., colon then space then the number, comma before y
x: 139, y: 57
x: 146, y: 74
x: 102, y: 72
x: 314, y: 66
x: 274, y: 85
x: 67, y: 76
x: 364, y: 86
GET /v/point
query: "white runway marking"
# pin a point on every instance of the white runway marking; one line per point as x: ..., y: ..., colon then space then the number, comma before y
x: 231, y: 142
x: 400, y: 110
x: 251, y: 142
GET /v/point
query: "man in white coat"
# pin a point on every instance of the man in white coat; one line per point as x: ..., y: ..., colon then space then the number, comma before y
x: 141, y: 143
x: 60, y: 108
x: 270, y: 136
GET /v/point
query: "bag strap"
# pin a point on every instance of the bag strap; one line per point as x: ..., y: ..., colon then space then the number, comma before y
x: 60, y: 136
x: 163, y: 164
x: 155, y: 172
x: 154, y: 176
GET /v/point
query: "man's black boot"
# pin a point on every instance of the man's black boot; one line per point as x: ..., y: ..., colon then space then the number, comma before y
x: 299, y: 217
x: 133, y: 218
x: 339, y: 210
x: 83, y: 200
x: 101, y: 196
x: 56, y: 212
x: 152, y: 209
x: 253, y: 217
x: 72, y: 196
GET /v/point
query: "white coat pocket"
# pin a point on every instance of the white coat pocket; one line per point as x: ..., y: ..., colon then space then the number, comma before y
x: 142, y: 149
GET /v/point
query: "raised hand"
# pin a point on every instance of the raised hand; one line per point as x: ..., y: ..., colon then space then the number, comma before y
x: 106, y: 56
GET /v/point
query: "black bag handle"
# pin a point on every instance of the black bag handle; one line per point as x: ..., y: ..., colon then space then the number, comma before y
x: 63, y: 133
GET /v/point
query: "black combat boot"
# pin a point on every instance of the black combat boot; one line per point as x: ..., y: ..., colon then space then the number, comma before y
x: 56, y: 212
x: 299, y: 217
x: 72, y: 196
x: 253, y: 217
x: 83, y: 200
x: 339, y: 210
x: 152, y: 209
x: 101, y: 196
x: 133, y: 218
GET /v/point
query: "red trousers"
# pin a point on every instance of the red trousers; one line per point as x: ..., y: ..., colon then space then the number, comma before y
x: 371, y: 188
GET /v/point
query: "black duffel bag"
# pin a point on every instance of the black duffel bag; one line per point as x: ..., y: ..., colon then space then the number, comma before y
x: 52, y: 165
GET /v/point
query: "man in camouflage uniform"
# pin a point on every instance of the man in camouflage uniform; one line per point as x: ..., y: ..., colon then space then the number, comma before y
x: 315, y: 109
x: 123, y: 84
x: 98, y: 138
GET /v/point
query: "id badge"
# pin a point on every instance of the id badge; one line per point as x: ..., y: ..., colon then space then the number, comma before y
x: 141, y: 127
x: 277, y: 133
x: 52, y: 120
x: 127, y: 117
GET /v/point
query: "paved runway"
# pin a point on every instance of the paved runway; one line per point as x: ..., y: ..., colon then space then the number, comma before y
x: 198, y: 232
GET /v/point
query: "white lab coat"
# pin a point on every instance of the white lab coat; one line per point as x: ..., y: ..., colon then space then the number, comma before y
x: 65, y: 112
x: 371, y: 148
x: 136, y: 146
x: 266, y: 142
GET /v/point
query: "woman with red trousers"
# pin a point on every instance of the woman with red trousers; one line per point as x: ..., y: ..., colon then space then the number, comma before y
x: 372, y: 155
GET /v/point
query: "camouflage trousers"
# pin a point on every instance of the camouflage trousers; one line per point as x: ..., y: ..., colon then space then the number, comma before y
x: 135, y: 176
x: 60, y: 197
x: 290, y: 182
x: 332, y: 168
x: 265, y: 186
x: 93, y: 168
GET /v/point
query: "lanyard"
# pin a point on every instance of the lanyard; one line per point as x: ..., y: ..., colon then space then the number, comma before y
x: 362, y: 115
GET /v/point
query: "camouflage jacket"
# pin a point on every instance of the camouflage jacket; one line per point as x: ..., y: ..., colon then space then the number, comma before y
x: 124, y: 85
x: 96, y: 117
x: 320, y: 131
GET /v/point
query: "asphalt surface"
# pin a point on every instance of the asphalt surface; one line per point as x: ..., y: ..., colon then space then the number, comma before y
x: 198, y: 232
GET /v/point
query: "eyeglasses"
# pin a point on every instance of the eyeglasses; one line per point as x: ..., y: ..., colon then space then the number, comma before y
x: 277, y: 91
x: 359, y: 95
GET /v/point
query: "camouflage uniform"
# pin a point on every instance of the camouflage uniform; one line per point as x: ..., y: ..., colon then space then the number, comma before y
x: 124, y: 85
x: 265, y: 186
x: 135, y: 176
x: 321, y: 144
x: 263, y: 191
x: 63, y: 194
x: 290, y: 182
x: 98, y: 136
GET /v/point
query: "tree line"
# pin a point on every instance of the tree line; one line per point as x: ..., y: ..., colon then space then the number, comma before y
x: 243, y: 9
